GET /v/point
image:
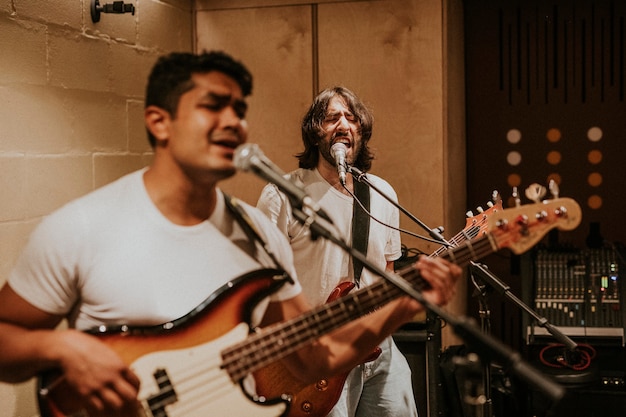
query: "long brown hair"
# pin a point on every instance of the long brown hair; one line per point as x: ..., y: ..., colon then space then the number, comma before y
x: 312, y: 131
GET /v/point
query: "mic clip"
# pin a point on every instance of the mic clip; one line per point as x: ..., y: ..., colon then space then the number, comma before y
x: 357, y: 174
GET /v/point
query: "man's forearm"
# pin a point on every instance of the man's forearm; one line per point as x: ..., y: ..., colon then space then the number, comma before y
x: 23, y: 352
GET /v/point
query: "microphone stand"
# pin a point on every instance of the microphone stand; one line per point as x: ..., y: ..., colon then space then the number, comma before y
x: 488, y: 348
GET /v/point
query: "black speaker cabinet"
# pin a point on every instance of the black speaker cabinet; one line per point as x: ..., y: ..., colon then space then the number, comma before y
x: 412, y: 344
x: 421, y: 345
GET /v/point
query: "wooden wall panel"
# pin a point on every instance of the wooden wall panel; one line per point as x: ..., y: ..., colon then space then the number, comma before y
x: 275, y: 44
x: 391, y: 56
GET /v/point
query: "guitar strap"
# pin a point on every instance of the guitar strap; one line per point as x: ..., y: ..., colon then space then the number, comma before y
x: 360, y: 226
x: 249, y: 228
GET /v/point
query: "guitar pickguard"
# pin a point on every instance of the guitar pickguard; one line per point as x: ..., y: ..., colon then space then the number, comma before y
x: 193, y: 384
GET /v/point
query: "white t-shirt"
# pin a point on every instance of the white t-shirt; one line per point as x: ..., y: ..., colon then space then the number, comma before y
x: 111, y: 257
x: 321, y: 265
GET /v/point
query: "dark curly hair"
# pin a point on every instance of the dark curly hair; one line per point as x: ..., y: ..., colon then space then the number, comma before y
x: 312, y: 131
x: 171, y: 77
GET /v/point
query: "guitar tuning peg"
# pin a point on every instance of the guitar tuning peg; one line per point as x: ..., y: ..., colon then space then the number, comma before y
x: 554, y: 189
x: 495, y: 196
x: 489, y: 204
x: 469, y: 213
x: 515, y: 195
x: 480, y: 209
x: 535, y: 192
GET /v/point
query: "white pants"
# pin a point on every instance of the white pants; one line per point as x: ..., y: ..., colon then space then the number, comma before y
x: 381, y: 388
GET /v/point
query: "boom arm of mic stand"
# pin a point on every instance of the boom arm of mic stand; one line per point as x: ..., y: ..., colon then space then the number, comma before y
x: 361, y: 177
x: 484, y: 345
x: 489, y: 278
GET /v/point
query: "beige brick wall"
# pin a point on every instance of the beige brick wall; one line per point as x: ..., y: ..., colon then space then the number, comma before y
x: 71, y: 105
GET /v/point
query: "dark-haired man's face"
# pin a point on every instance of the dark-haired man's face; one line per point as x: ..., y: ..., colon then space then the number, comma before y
x: 209, y: 124
x: 340, y: 126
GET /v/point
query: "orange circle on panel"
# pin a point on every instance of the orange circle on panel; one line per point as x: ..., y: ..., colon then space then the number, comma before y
x: 553, y: 135
x: 594, y: 157
x: 554, y: 157
x: 594, y: 202
x: 514, y: 180
x: 594, y: 179
x: 510, y: 202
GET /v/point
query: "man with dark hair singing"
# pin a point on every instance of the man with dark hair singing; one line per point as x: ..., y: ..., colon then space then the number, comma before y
x: 338, y: 121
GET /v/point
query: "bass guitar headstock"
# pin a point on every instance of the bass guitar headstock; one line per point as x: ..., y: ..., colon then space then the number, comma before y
x: 520, y: 228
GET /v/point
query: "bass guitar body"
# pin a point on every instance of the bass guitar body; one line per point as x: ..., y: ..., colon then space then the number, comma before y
x: 179, y: 363
x: 307, y: 400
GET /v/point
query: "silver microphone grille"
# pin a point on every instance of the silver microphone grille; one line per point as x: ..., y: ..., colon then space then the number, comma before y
x: 244, y: 153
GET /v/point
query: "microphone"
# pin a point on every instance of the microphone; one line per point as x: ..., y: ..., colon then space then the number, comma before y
x: 338, y: 151
x: 249, y: 158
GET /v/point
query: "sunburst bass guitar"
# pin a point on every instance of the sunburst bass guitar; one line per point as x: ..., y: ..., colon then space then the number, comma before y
x: 199, y: 365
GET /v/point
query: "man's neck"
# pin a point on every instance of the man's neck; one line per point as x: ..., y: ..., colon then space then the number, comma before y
x: 329, y: 173
x: 178, y: 198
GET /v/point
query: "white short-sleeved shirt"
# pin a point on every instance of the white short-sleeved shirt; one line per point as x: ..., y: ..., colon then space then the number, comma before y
x: 111, y: 257
x: 321, y: 265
